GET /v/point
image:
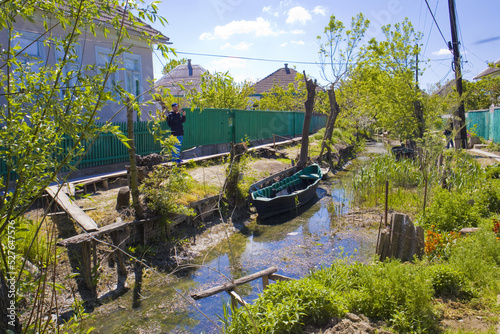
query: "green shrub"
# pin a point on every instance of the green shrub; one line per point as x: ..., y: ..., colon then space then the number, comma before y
x: 493, y: 172
x: 487, y: 197
x: 285, y: 307
x: 449, y: 282
x: 398, y: 293
x: 450, y: 211
x: 478, y: 257
x: 162, y: 187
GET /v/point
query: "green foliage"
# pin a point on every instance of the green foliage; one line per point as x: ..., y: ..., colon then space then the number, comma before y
x: 279, y: 98
x: 31, y: 243
x: 449, y: 282
x: 48, y: 113
x: 390, y: 93
x: 173, y: 63
x: 478, y: 257
x: 219, y: 90
x: 339, y: 47
x: 450, y: 211
x: 162, y: 187
x: 403, y: 176
x: 482, y: 93
x: 285, y: 307
x: 493, y: 171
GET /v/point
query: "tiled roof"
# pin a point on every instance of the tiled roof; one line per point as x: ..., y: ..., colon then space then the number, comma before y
x: 119, y: 11
x: 106, y: 17
x: 282, y: 77
x: 489, y: 71
x: 188, y: 74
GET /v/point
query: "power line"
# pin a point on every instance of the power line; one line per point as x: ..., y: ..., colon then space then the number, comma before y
x: 250, y: 58
x: 437, y: 25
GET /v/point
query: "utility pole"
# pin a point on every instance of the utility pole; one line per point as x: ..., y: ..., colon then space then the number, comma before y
x: 461, y: 136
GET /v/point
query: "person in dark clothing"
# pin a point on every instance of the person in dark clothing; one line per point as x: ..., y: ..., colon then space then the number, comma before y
x: 448, y: 132
x: 175, y: 120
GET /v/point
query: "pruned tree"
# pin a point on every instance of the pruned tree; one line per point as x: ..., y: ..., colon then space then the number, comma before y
x: 338, y: 52
x: 309, y: 106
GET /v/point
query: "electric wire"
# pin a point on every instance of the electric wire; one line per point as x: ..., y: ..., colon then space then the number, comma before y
x: 437, y: 25
x: 250, y: 58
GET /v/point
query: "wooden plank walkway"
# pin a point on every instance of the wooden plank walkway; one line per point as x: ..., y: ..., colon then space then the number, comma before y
x: 484, y: 153
x: 74, y: 211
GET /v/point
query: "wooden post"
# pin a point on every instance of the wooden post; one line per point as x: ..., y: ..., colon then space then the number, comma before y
x: 265, y: 282
x: 87, y: 267
x: 134, y: 187
x: 386, y: 201
x: 121, y: 270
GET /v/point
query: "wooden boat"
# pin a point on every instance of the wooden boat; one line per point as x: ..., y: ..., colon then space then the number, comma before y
x: 288, y: 190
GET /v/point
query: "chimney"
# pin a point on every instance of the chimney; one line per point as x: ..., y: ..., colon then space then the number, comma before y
x: 287, y: 70
x: 190, y: 68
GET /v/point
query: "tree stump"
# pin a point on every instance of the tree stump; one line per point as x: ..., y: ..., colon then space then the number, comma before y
x: 123, y: 199
x: 401, y: 239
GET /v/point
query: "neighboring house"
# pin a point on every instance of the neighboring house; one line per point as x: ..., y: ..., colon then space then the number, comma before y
x: 137, y: 64
x: 188, y: 75
x: 282, y: 77
x: 490, y: 71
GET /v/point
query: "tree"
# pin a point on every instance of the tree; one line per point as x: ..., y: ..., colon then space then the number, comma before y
x: 173, y: 63
x: 44, y: 105
x: 482, y: 93
x: 309, y: 104
x: 391, y: 88
x: 219, y: 90
x: 337, y: 54
x: 279, y: 98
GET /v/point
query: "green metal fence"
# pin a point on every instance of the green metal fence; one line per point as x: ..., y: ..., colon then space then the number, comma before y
x: 486, y: 122
x: 207, y: 127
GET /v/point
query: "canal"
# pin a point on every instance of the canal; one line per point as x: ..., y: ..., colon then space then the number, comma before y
x: 296, y: 243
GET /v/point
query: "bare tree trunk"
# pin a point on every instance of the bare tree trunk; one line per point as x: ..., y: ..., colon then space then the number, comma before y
x: 134, y: 186
x: 330, y: 125
x: 309, y: 104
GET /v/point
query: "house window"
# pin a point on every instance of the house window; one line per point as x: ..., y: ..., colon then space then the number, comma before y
x: 103, y: 57
x: 133, y: 76
x: 31, y: 49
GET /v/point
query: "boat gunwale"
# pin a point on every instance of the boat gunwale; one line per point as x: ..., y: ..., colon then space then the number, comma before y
x: 295, y: 193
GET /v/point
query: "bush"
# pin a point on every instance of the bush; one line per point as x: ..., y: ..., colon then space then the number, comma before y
x: 162, y: 187
x: 450, y: 211
x: 493, y: 172
x: 397, y: 293
x: 285, y: 307
x: 478, y: 257
x: 449, y: 282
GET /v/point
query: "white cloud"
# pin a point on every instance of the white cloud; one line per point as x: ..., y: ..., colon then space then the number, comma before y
x: 319, y: 10
x: 240, y: 46
x: 292, y: 43
x: 297, y: 32
x: 298, y: 14
x: 226, y: 64
x: 259, y: 27
x: 442, y: 52
x: 269, y: 10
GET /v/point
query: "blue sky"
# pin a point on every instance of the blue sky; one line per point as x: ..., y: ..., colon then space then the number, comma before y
x: 286, y: 31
